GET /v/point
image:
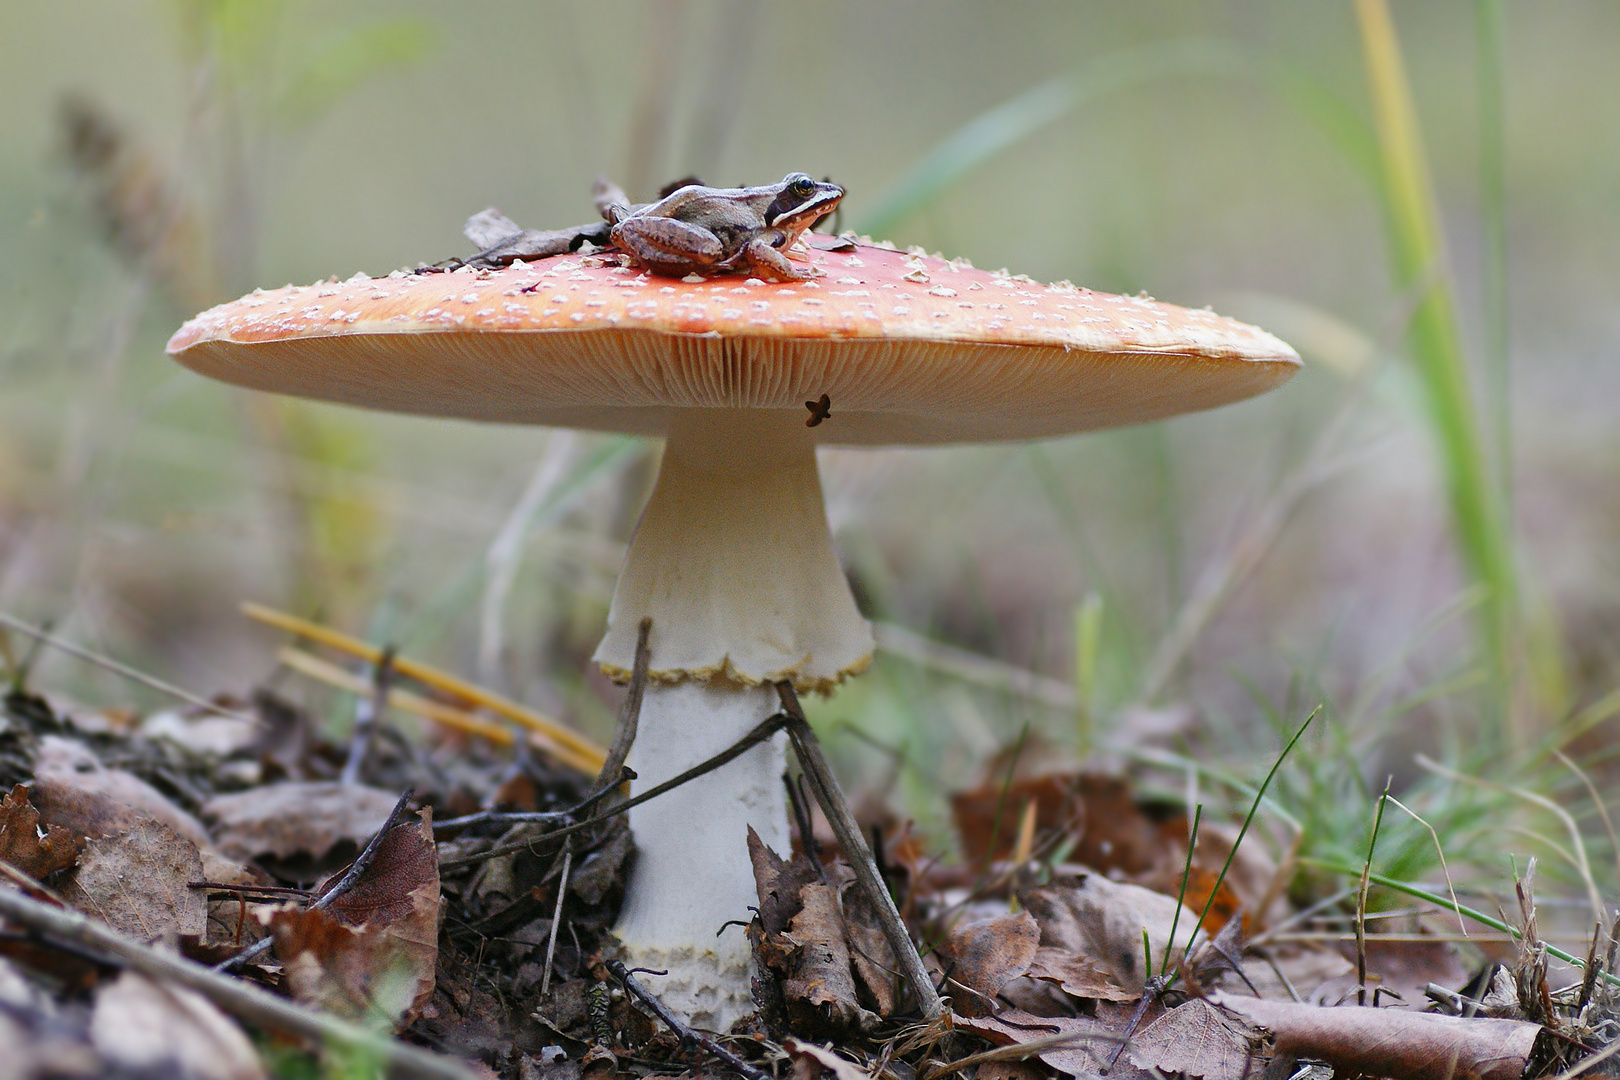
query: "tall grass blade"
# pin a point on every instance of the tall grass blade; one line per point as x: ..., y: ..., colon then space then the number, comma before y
x: 1434, y: 340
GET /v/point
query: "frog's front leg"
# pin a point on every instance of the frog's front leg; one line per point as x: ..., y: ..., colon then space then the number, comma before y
x: 667, y: 245
x: 765, y: 259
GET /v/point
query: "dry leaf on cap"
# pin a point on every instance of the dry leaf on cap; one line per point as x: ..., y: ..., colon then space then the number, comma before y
x: 1197, y: 1040
x: 1103, y: 921
x: 290, y: 820
x: 373, y: 952
x: 36, y: 852
x: 985, y: 956
x: 64, y: 766
x: 1392, y: 1042
x: 143, y: 1025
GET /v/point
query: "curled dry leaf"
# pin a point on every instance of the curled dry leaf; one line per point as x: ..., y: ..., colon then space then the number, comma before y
x: 822, y: 943
x: 293, y: 820
x: 145, y: 1026
x: 1392, y: 1042
x: 373, y: 952
x: 820, y: 991
x: 35, y: 851
x: 1197, y: 1040
x: 1077, y: 976
x: 984, y: 956
x: 1103, y: 921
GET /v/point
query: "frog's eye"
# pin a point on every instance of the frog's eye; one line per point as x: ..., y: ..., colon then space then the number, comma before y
x: 801, y: 184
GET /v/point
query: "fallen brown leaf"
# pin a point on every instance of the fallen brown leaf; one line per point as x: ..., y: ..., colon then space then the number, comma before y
x: 1392, y: 1042
x: 1085, y: 1047
x: 1077, y: 976
x: 35, y: 851
x: 292, y: 820
x: 810, y: 1061
x: 1103, y: 921
x: 64, y: 766
x: 1197, y: 1040
x: 820, y: 990
x: 373, y: 951
x: 137, y: 881
x: 984, y: 956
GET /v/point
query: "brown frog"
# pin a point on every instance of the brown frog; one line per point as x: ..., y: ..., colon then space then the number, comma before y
x: 697, y: 229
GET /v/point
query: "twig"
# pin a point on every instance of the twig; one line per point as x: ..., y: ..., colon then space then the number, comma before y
x: 522, y: 817
x: 233, y: 995
x: 608, y: 778
x: 856, y: 853
x: 461, y: 689
x: 151, y: 682
x: 368, y: 713
x: 556, y: 916
x: 762, y: 731
x: 687, y: 1035
x: 355, y: 872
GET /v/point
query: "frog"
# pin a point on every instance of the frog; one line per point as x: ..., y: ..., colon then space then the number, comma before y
x: 705, y: 230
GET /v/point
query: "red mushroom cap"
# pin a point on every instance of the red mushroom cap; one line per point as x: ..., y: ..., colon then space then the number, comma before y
x: 909, y: 348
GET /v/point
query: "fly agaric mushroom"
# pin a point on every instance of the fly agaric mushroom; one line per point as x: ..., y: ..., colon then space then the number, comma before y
x: 732, y: 559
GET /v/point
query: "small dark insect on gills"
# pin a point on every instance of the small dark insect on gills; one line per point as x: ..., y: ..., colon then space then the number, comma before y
x: 819, y: 411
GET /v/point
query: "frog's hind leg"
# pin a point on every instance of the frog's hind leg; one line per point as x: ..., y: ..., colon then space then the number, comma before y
x: 668, y: 246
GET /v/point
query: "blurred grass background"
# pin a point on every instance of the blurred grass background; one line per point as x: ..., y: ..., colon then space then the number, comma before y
x: 1420, y: 531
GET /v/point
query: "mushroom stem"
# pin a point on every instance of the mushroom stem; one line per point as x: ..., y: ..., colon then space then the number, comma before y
x: 692, y: 874
x: 733, y: 563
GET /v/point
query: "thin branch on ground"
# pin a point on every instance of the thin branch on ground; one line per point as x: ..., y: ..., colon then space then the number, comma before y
x: 762, y: 731
x: 151, y: 682
x: 687, y: 1035
x: 556, y: 917
x: 856, y: 853
x: 356, y: 871
x: 609, y: 778
x: 235, y: 996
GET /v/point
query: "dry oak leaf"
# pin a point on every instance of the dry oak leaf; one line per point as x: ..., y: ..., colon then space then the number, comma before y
x: 373, y: 952
x: 155, y: 1029
x: 36, y: 852
x: 1392, y: 1042
x: 296, y: 819
x: 985, y: 956
x: 1197, y: 1040
x: 1103, y: 921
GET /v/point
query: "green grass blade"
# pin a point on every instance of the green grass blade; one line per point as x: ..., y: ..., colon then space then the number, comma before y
x: 1434, y: 340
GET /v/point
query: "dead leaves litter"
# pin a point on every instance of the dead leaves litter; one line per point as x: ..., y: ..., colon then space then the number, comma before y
x: 374, y: 951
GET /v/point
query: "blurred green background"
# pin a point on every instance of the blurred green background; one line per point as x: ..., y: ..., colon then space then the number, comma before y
x: 1419, y: 531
